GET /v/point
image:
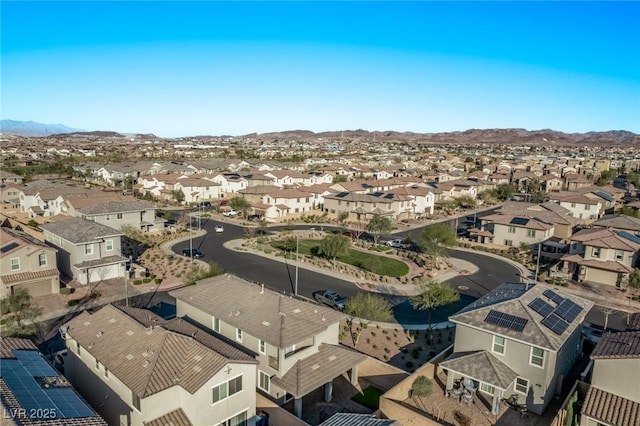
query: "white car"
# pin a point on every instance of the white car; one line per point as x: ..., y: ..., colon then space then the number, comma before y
x: 397, y: 243
x: 230, y: 213
x: 219, y: 228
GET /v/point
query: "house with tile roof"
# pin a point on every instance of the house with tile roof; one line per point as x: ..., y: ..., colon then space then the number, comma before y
x: 518, y: 340
x: 27, y: 263
x: 362, y: 207
x: 121, y: 214
x: 618, y: 223
x: 32, y: 393
x: 581, y: 207
x: 613, y: 399
x: 88, y: 251
x: 136, y: 368
x: 602, y: 256
x: 296, y: 342
x: 513, y: 230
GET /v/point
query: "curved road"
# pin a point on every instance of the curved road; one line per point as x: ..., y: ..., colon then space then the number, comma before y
x: 281, y: 277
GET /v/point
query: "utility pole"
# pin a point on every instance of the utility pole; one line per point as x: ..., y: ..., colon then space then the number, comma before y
x: 295, y: 290
x: 190, y: 240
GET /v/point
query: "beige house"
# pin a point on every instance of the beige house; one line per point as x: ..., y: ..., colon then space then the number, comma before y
x: 296, y: 342
x: 135, y: 368
x: 518, y: 340
x: 514, y: 230
x: 602, y: 256
x: 273, y: 202
x: 27, y: 263
x: 137, y: 214
x: 613, y: 399
x: 581, y: 207
x: 88, y: 251
x: 362, y: 207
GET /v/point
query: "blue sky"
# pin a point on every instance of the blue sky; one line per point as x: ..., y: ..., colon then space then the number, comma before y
x: 190, y: 68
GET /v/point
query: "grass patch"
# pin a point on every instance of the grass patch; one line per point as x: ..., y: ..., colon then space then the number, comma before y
x: 380, y: 265
x: 370, y: 397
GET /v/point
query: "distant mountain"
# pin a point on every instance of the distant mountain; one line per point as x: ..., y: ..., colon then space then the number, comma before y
x: 33, y: 129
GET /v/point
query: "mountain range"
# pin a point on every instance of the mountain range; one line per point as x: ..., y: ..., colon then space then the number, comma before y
x: 33, y: 129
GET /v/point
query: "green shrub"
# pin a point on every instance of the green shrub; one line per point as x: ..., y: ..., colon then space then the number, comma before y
x: 73, y: 302
x: 137, y: 282
x: 157, y: 280
x: 146, y: 280
x: 422, y: 386
x: 66, y: 290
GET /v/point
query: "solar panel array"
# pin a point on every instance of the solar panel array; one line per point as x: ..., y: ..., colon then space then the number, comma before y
x: 19, y: 375
x: 501, y: 319
x: 553, y: 296
x: 519, y: 221
x: 8, y: 247
x: 568, y: 310
x: 541, y: 307
x: 555, y: 324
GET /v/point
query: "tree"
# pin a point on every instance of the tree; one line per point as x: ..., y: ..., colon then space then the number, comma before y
x: 379, y: 225
x: 505, y: 191
x: 422, y: 386
x: 240, y: 204
x: 20, y: 313
x: 333, y: 246
x: 366, y: 307
x: 178, y: 195
x: 342, y: 217
x: 466, y: 201
x: 431, y: 295
x: 436, y: 238
x: 211, y: 270
x: 262, y: 226
x: 289, y: 244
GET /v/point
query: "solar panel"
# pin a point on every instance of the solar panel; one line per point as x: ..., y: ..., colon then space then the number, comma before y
x: 541, y: 307
x: 554, y: 323
x: 553, y: 296
x: 8, y: 247
x: 519, y: 221
x: 501, y: 319
x: 568, y: 310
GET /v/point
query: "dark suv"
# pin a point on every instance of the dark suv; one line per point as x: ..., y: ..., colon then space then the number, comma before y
x: 195, y: 253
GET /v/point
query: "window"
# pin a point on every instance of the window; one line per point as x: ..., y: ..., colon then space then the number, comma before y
x: 238, y: 335
x: 227, y: 389
x: 289, y: 349
x: 587, y: 207
x: 237, y: 420
x: 106, y: 372
x: 42, y: 259
x: 512, y: 230
x: 262, y: 346
x: 15, y: 264
x: 596, y: 252
x: 119, y: 216
x: 522, y: 385
x: 135, y: 400
x: 487, y: 388
x: 508, y: 243
x: 264, y: 381
x: 573, y: 204
x: 619, y: 255
x: 108, y: 245
x: 107, y: 217
x: 97, y: 365
x: 531, y: 233
x: 216, y: 324
x: 499, y: 344
x: 88, y: 249
x: 537, y: 357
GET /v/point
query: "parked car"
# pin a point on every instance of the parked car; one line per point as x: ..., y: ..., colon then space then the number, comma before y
x: 230, y: 213
x: 219, y: 228
x: 169, y: 222
x: 205, y: 204
x: 253, y: 217
x: 330, y: 298
x: 193, y: 253
x: 398, y: 243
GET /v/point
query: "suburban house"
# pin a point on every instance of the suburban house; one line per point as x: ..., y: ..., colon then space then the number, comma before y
x: 196, y: 190
x: 135, y: 368
x: 43, y: 198
x: 613, y: 399
x: 362, y: 207
x: 8, y: 177
x: 120, y: 174
x: 296, y: 342
x: 27, y: 263
x: 618, y: 223
x: 563, y: 221
x: 87, y: 251
x: 518, y: 340
x: 602, y: 256
x: 581, y: 207
x: 273, y: 202
x: 514, y: 230
x: 136, y: 214
x: 10, y: 195
x: 550, y: 183
x: 230, y: 183
x: 35, y: 394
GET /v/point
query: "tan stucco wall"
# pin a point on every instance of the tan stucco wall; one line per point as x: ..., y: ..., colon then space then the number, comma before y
x: 618, y: 376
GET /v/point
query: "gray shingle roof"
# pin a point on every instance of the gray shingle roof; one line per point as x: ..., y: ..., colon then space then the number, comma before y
x: 481, y: 366
x: 118, y: 207
x: 279, y: 320
x: 353, y: 419
x: 610, y: 409
x: 79, y: 231
x: 173, y: 418
x: 516, y: 302
x: 625, y: 344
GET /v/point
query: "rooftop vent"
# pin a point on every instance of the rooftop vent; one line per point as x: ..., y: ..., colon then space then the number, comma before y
x: 112, y: 320
x: 266, y: 323
x: 146, y: 363
x: 315, y: 366
x: 296, y: 311
x: 129, y: 357
x: 332, y: 358
x: 100, y: 333
x: 129, y: 333
x: 87, y: 323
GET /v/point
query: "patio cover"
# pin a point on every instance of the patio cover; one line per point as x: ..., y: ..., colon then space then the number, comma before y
x: 481, y: 366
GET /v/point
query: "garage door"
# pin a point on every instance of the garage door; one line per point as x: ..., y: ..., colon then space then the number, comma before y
x: 38, y: 288
x: 601, y: 276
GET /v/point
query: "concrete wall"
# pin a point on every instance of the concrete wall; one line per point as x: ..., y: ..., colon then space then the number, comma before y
x: 618, y: 376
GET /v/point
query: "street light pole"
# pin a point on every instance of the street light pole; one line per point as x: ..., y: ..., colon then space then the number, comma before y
x: 535, y: 278
x: 190, y: 239
x: 295, y: 290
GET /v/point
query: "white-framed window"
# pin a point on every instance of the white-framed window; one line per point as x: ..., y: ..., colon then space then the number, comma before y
x: 573, y: 204
x: 587, y: 207
x: 619, y: 255
x: 264, y: 381
x: 88, y: 249
x: 238, y: 335
x: 239, y: 419
x: 512, y: 230
x: 119, y: 216
x: 522, y: 385
x: 499, y: 344
x: 226, y: 389
x: 216, y: 324
x: 508, y: 243
x: 487, y: 388
x: 108, y: 245
x: 135, y: 400
x: 42, y: 259
x: 15, y: 264
x: 531, y: 233
x: 537, y: 357
x: 262, y: 346
x: 595, y: 251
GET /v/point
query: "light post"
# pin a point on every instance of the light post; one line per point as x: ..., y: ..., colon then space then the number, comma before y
x: 295, y: 289
x: 190, y: 239
x: 538, y: 262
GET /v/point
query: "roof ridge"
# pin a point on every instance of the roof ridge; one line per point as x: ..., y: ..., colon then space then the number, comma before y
x: 152, y: 368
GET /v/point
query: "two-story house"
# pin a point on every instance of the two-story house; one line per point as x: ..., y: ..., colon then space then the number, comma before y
x: 87, y: 251
x: 136, y: 214
x: 135, y: 368
x: 28, y: 263
x: 613, y: 399
x: 618, y: 223
x: 602, y: 256
x: 35, y: 394
x: 296, y: 342
x: 519, y: 339
x: 515, y: 230
x: 196, y: 190
x: 362, y: 207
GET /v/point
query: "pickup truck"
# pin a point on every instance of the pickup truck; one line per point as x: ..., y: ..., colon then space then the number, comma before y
x: 398, y: 243
x: 331, y: 298
x: 230, y: 213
